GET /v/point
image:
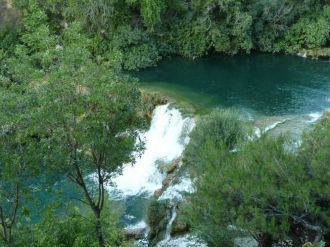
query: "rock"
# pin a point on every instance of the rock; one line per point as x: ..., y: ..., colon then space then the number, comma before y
x: 323, y: 53
x: 134, y: 234
x: 158, y: 192
x: 168, y: 167
x: 171, y: 167
x: 157, y: 218
x: 245, y: 242
x: 162, y: 166
x: 169, y: 178
x: 166, y: 182
x: 179, y: 227
x: 150, y: 101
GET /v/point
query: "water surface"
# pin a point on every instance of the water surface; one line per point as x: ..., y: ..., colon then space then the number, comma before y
x: 261, y: 84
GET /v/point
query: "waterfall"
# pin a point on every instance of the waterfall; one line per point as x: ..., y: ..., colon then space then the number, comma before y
x: 175, y: 192
x: 169, y: 226
x: 315, y: 116
x: 164, y: 142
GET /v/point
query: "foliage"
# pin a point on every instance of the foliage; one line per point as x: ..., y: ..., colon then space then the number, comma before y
x: 222, y: 129
x: 87, y: 125
x: 140, y: 32
x: 309, y: 32
x: 151, y: 11
x: 263, y: 190
x: 65, y: 108
x: 17, y: 161
x: 134, y: 47
x: 73, y: 229
x: 81, y: 112
x: 156, y: 218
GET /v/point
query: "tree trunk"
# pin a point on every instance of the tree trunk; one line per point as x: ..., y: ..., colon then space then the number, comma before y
x: 265, y: 241
x: 99, y: 232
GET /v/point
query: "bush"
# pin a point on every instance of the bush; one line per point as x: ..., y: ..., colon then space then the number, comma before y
x: 76, y: 229
x: 264, y: 190
x: 220, y: 129
x: 309, y: 32
x: 157, y: 218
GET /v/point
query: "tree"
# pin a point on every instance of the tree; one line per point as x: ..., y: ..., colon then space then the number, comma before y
x: 18, y: 161
x: 314, y: 155
x: 222, y: 129
x: 13, y: 174
x: 151, y: 11
x: 309, y: 32
x: 34, y: 53
x: 87, y: 122
x: 73, y: 227
x: 264, y: 190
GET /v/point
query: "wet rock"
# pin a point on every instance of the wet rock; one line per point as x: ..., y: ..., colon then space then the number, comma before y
x: 168, y: 167
x: 134, y: 234
x: 166, y: 182
x: 317, y: 53
x: 245, y: 242
x: 169, y: 178
x: 171, y: 167
x: 150, y: 101
x: 179, y: 227
x: 158, y: 192
x: 158, y: 213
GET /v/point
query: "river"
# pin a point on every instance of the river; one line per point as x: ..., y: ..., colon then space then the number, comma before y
x: 259, y: 84
x: 277, y: 93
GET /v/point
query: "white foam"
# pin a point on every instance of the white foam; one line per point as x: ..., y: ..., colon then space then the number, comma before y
x: 169, y: 227
x: 176, y: 191
x: 164, y: 141
x: 314, y: 116
x: 257, y: 133
x: 273, y: 125
x: 183, y: 241
x: 139, y: 225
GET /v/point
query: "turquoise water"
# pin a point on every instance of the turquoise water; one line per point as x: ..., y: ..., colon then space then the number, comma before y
x: 260, y: 84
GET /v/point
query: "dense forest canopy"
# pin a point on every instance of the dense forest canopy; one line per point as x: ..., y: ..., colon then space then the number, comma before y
x: 68, y: 110
x: 140, y: 32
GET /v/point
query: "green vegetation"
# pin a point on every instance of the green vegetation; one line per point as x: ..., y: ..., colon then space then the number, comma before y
x: 72, y: 230
x: 264, y: 190
x: 157, y: 218
x: 137, y: 33
x: 68, y: 114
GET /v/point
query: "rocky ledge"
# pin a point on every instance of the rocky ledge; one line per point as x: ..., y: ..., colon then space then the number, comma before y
x: 322, y: 53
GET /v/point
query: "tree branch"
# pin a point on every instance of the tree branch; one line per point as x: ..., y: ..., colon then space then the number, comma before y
x: 4, y: 227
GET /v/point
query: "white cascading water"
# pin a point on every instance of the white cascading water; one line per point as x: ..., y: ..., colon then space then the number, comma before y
x: 164, y: 142
x: 176, y: 192
x: 315, y: 116
x: 168, y: 228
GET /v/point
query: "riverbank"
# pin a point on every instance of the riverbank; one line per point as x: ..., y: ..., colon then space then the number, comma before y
x: 320, y: 53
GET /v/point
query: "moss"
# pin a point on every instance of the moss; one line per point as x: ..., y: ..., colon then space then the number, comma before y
x: 157, y: 219
x: 181, y: 223
x: 149, y: 103
x: 319, y: 53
